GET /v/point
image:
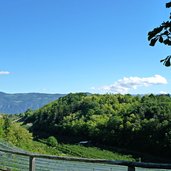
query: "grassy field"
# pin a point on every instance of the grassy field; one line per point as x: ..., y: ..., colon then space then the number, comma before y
x: 92, y: 152
x: 76, y: 151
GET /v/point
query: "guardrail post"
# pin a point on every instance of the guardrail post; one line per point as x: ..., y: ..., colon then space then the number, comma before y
x: 131, y: 168
x: 31, y: 163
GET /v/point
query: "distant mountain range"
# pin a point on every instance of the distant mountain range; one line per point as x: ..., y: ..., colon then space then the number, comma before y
x: 20, y: 102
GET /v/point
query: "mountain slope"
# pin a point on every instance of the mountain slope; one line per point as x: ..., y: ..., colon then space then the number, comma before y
x: 20, y: 102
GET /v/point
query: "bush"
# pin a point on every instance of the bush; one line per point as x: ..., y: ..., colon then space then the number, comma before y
x: 52, y: 141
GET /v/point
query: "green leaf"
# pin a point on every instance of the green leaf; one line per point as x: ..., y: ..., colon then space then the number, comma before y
x: 167, y: 42
x: 167, y: 63
x: 166, y: 32
x: 168, y: 5
x: 153, y: 42
x: 150, y: 35
x: 162, y: 60
x: 155, y: 31
x: 161, y: 39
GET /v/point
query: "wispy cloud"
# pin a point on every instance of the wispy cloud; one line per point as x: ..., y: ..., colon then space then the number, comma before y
x: 4, y: 72
x: 126, y: 84
x: 163, y: 92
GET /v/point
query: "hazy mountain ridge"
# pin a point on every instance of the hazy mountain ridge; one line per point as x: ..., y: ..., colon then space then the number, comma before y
x: 20, y: 102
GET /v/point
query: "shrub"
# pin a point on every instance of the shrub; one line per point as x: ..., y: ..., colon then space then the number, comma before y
x: 52, y: 141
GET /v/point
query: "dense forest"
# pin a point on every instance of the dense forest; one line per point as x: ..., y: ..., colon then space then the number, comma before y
x: 141, y: 123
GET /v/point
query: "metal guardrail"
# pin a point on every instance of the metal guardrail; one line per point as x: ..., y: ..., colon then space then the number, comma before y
x: 33, y: 160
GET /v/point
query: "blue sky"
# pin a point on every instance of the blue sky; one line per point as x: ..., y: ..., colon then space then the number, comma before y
x: 97, y: 46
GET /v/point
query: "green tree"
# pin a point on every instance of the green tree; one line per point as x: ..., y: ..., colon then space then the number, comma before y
x: 18, y: 136
x: 1, y: 127
x: 162, y: 34
x: 52, y: 141
x: 7, y: 124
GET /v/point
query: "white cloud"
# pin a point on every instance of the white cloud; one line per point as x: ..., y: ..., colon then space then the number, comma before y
x: 163, y: 92
x: 126, y: 84
x: 4, y: 72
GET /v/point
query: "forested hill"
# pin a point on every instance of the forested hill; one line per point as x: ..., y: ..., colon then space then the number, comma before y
x: 142, y: 123
x: 20, y: 102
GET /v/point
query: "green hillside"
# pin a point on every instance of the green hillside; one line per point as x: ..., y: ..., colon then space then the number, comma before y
x: 15, y: 137
x: 141, y: 123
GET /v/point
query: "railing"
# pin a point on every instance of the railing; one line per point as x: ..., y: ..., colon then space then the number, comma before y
x: 33, y: 162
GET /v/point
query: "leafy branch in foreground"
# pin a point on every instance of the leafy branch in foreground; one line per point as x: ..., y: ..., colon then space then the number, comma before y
x: 162, y: 34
